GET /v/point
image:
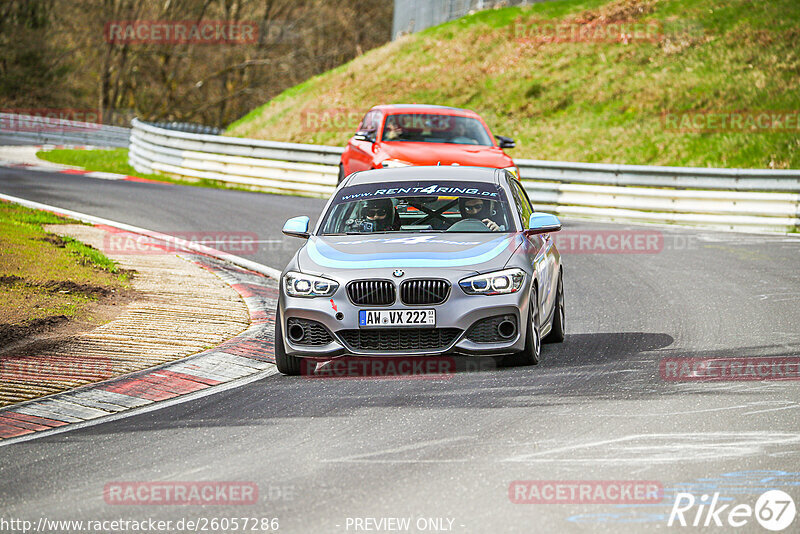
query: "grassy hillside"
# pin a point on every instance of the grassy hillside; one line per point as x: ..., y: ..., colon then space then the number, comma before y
x: 588, y: 99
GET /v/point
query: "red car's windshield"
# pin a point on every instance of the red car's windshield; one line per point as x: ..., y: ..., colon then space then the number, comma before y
x: 433, y: 128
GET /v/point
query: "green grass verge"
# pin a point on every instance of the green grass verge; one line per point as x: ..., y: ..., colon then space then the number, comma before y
x: 43, y: 275
x: 116, y: 161
x: 113, y: 160
x: 576, y: 101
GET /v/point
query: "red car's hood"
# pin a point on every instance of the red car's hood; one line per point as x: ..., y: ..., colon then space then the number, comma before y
x: 447, y: 154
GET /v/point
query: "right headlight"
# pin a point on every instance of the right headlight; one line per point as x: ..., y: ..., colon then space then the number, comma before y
x: 496, y: 283
x: 306, y: 285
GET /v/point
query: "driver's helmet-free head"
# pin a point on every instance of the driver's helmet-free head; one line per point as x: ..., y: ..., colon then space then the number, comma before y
x: 392, y: 129
x: 475, y: 208
x: 380, y: 212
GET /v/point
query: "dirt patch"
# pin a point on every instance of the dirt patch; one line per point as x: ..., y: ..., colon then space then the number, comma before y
x: 622, y: 11
x: 64, y: 286
x: 10, y: 333
x: 55, y: 240
x: 56, y: 330
x: 68, y: 286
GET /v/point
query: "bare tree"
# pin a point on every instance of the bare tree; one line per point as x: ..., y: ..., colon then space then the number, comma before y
x: 209, y: 83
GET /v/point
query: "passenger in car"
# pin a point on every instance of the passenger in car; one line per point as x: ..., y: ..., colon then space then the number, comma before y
x: 480, y: 209
x: 462, y: 135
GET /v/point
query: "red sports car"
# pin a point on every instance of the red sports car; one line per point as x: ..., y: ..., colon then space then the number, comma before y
x: 409, y: 134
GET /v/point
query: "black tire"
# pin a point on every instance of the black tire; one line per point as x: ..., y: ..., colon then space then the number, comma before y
x: 533, y: 343
x: 287, y: 365
x: 341, y: 174
x: 558, y: 331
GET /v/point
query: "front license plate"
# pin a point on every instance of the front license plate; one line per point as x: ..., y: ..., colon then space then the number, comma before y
x: 369, y: 318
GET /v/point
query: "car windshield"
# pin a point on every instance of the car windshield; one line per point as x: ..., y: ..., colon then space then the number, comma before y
x: 418, y: 207
x: 432, y: 128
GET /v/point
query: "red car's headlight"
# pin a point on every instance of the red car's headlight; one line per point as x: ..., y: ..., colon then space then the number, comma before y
x: 394, y: 163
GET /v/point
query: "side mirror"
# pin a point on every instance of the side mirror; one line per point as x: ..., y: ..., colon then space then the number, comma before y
x: 297, y: 227
x: 368, y: 136
x: 543, y: 223
x: 505, y: 142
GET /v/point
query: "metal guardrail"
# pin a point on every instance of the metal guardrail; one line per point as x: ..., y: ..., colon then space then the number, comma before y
x: 189, y: 127
x: 732, y: 199
x: 654, y: 176
x: 269, y: 165
x: 45, y: 130
x: 736, y: 199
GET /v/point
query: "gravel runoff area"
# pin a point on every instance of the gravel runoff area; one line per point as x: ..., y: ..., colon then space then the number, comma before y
x: 180, y: 308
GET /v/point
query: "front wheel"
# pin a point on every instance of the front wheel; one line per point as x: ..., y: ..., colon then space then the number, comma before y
x: 533, y: 341
x: 558, y: 331
x: 288, y: 365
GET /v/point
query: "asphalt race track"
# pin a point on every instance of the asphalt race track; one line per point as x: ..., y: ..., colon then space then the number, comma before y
x: 325, y: 452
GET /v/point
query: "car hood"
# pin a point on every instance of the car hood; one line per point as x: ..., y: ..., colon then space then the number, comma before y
x: 447, y: 154
x: 462, y: 252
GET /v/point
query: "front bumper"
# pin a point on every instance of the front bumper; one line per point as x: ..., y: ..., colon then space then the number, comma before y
x: 460, y: 311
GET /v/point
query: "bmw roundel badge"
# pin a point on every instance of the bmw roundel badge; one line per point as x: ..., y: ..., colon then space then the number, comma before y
x: 398, y: 273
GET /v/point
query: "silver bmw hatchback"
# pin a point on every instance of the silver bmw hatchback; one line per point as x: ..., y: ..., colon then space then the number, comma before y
x: 422, y: 262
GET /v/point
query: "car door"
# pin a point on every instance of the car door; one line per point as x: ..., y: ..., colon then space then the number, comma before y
x: 542, y: 250
x: 361, y: 145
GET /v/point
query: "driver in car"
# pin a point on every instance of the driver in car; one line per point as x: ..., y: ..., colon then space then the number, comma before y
x: 479, y: 209
x: 393, y: 130
x: 376, y: 215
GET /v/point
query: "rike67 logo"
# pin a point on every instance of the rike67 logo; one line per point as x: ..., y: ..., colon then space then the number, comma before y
x: 774, y: 510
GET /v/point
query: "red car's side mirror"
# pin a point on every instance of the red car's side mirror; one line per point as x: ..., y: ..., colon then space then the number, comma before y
x: 505, y: 142
x: 365, y: 136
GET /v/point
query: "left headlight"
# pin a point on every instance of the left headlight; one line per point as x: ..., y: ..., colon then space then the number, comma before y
x: 496, y: 283
x: 305, y: 285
